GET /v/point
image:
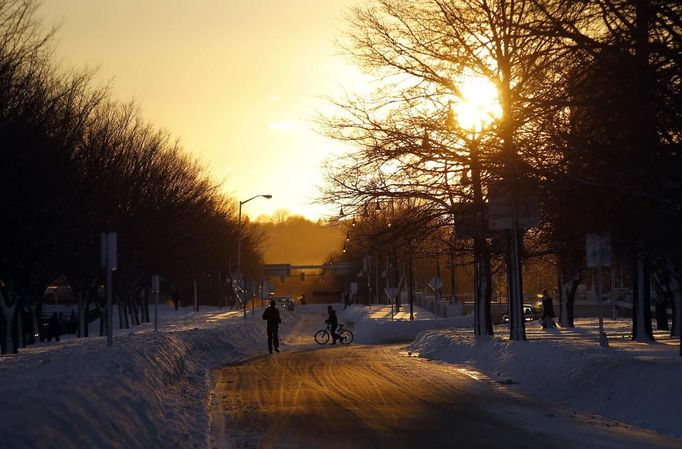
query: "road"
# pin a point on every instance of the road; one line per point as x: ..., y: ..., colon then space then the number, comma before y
x: 377, y: 397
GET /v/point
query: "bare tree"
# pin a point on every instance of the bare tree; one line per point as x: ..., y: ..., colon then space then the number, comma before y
x: 421, y: 51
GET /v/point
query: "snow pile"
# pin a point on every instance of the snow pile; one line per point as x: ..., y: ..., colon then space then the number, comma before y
x: 629, y: 382
x: 148, y: 390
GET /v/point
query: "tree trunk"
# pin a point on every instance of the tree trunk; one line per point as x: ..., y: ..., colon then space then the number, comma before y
x: 662, y: 295
x: 483, y: 285
x: 662, y: 316
x: 102, y: 319
x: 9, y: 315
x: 35, y: 331
x: 641, y: 301
x: 145, y: 306
x: 82, y: 315
x: 569, y: 287
x: 196, y: 298
x: 517, y: 322
x: 483, y: 324
x: 675, y: 285
x: 410, y: 288
x: 395, y: 271
x: 122, y: 313
x: 134, y: 309
x: 21, y: 338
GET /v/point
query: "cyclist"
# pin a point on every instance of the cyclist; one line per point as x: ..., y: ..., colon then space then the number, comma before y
x: 333, y: 323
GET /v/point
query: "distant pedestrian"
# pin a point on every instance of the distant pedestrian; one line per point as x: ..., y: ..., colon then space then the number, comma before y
x: 271, y: 314
x: 73, y: 322
x: 302, y: 300
x: 62, y: 324
x: 547, y: 310
x: 346, y: 300
x: 53, y: 327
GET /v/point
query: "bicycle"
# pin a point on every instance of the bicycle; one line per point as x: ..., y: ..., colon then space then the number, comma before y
x: 345, y: 337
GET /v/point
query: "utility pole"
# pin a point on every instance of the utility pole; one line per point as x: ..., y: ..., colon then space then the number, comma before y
x: 109, y: 260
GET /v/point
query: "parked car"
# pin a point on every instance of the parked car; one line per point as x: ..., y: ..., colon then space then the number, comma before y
x: 286, y: 302
x: 530, y: 313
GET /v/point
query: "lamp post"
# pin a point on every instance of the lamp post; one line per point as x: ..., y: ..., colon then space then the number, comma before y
x: 239, y: 239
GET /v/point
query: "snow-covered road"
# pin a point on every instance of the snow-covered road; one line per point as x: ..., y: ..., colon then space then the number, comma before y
x: 374, y: 397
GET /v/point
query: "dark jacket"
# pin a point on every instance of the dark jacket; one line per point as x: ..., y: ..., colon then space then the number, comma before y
x: 271, y: 314
x: 332, y: 320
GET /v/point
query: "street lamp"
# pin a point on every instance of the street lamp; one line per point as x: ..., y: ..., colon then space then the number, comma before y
x: 239, y: 238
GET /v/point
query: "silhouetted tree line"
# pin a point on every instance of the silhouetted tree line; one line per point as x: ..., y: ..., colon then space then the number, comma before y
x: 589, y: 123
x: 381, y: 243
x: 76, y: 163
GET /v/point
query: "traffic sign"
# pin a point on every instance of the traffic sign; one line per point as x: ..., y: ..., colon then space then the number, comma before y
x: 391, y: 292
x: 155, y: 283
x: 500, y: 209
x: 464, y: 217
x: 435, y: 283
x: 598, y: 250
x: 278, y: 269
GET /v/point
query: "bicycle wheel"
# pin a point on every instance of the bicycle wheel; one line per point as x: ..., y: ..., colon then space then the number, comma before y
x: 322, y: 337
x: 345, y: 337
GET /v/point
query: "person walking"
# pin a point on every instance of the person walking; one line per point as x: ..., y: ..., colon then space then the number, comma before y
x: 547, y: 310
x: 271, y: 315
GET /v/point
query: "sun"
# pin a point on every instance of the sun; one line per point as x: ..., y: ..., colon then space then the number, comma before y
x: 478, y: 104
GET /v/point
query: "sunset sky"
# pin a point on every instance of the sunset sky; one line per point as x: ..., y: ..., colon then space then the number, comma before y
x: 236, y: 80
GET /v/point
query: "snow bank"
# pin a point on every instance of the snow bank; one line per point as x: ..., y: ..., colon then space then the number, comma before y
x: 148, y: 390
x: 629, y: 382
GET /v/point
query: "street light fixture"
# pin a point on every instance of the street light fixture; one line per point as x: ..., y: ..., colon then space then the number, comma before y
x: 239, y: 237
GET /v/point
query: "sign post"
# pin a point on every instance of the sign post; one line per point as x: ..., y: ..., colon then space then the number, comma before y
x: 613, y: 294
x: 598, y: 255
x: 366, y: 267
x: 391, y: 292
x: 109, y: 260
x: 239, y: 293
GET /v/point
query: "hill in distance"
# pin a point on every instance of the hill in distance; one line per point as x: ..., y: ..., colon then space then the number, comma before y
x: 298, y: 241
